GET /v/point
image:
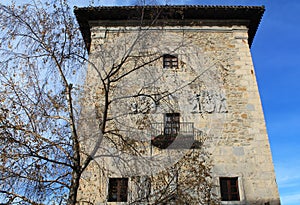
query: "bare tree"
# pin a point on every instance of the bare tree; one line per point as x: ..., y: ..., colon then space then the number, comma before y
x: 41, y: 53
x: 49, y: 115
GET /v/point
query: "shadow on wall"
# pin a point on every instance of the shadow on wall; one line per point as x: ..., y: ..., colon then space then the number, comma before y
x: 257, y: 202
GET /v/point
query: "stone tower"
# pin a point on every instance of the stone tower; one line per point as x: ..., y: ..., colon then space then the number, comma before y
x: 174, y: 93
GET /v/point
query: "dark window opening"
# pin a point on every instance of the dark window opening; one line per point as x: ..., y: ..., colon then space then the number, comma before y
x: 170, y: 61
x: 172, y: 123
x: 229, y: 189
x: 117, y: 189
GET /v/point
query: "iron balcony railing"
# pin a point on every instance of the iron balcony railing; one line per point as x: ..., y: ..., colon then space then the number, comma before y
x: 173, y: 135
x: 182, y: 129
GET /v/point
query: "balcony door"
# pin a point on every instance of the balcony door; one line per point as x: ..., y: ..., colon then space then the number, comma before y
x: 172, y: 124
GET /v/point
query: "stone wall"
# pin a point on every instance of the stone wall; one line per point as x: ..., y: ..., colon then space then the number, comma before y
x: 213, y: 87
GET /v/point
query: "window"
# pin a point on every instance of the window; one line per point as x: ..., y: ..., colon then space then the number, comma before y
x: 172, y: 123
x: 170, y: 61
x: 117, y: 189
x: 229, y: 189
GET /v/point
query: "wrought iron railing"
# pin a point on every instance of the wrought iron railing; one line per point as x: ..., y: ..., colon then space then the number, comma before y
x: 173, y: 136
x: 182, y: 129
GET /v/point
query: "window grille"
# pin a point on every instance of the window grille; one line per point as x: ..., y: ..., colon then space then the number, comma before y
x: 170, y: 61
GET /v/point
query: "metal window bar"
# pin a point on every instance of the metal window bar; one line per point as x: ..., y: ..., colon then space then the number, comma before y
x: 170, y: 61
x: 183, y: 129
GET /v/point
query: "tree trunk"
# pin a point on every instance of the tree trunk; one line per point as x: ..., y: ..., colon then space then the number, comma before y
x: 74, y: 187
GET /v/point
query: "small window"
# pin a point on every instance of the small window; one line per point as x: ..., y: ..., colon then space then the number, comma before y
x: 172, y: 123
x: 229, y: 189
x: 117, y: 189
x: 170, y: 61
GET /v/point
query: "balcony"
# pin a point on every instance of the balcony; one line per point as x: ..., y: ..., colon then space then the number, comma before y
x: 174, y: 135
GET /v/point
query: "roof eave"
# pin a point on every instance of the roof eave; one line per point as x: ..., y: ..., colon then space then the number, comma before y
x: 251, y: 15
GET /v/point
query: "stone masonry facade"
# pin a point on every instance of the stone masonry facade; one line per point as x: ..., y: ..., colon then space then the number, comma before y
x: 212, y: 88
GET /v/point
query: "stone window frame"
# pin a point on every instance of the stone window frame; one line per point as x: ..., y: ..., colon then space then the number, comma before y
x: 240, y: 188
x: 118, y: 186
x: 170, y: 61
x: 229, y: 187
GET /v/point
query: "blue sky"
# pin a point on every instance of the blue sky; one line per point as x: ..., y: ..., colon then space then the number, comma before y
x: 276, y: 56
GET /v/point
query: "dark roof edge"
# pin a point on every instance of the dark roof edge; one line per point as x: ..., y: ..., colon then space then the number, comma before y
x: 181, y: 13
x: 167, y: 6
